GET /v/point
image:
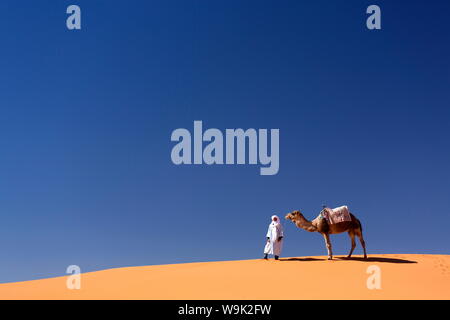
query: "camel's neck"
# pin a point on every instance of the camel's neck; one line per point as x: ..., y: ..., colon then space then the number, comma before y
x: 305, y: 224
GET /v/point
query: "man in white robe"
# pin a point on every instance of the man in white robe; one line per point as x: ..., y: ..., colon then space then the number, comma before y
x: 274, y: 243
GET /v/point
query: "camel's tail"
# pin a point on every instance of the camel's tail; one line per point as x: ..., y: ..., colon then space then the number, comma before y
x: 360, y: 225
x: 357, y: 222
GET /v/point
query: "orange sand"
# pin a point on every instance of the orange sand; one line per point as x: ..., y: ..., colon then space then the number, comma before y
x: 403, y: 276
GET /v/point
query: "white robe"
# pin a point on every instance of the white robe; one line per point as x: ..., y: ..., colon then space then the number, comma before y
x: 273, y: 246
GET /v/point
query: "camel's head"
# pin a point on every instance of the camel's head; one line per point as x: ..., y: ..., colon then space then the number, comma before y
x: 293, y: 215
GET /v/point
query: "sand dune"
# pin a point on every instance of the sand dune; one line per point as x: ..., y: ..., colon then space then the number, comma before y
x: 403, y: 276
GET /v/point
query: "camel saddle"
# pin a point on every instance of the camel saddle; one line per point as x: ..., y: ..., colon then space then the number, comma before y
x: 336, y: 215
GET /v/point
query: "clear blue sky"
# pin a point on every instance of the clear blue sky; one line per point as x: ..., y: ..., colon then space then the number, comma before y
x: 86, y: 117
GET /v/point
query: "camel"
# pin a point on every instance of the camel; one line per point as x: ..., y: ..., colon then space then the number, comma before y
x: 320, y: 225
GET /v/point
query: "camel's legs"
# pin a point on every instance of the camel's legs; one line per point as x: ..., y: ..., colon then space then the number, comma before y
x: 352, y: 237
x: 363, y: 243
x: 328, y: 244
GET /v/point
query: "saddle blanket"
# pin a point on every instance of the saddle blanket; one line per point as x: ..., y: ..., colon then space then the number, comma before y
x: 336, y: 215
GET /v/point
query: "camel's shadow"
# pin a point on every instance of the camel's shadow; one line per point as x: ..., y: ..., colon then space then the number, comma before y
x: 376, y: 259
x: 369, y: 259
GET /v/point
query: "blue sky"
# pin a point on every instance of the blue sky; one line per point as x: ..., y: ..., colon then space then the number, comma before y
x: 86, y: 117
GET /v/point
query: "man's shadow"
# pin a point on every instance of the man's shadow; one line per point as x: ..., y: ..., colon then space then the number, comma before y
x: 301, y: 259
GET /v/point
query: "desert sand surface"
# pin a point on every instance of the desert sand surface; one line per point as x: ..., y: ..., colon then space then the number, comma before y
x: 403, y: 276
